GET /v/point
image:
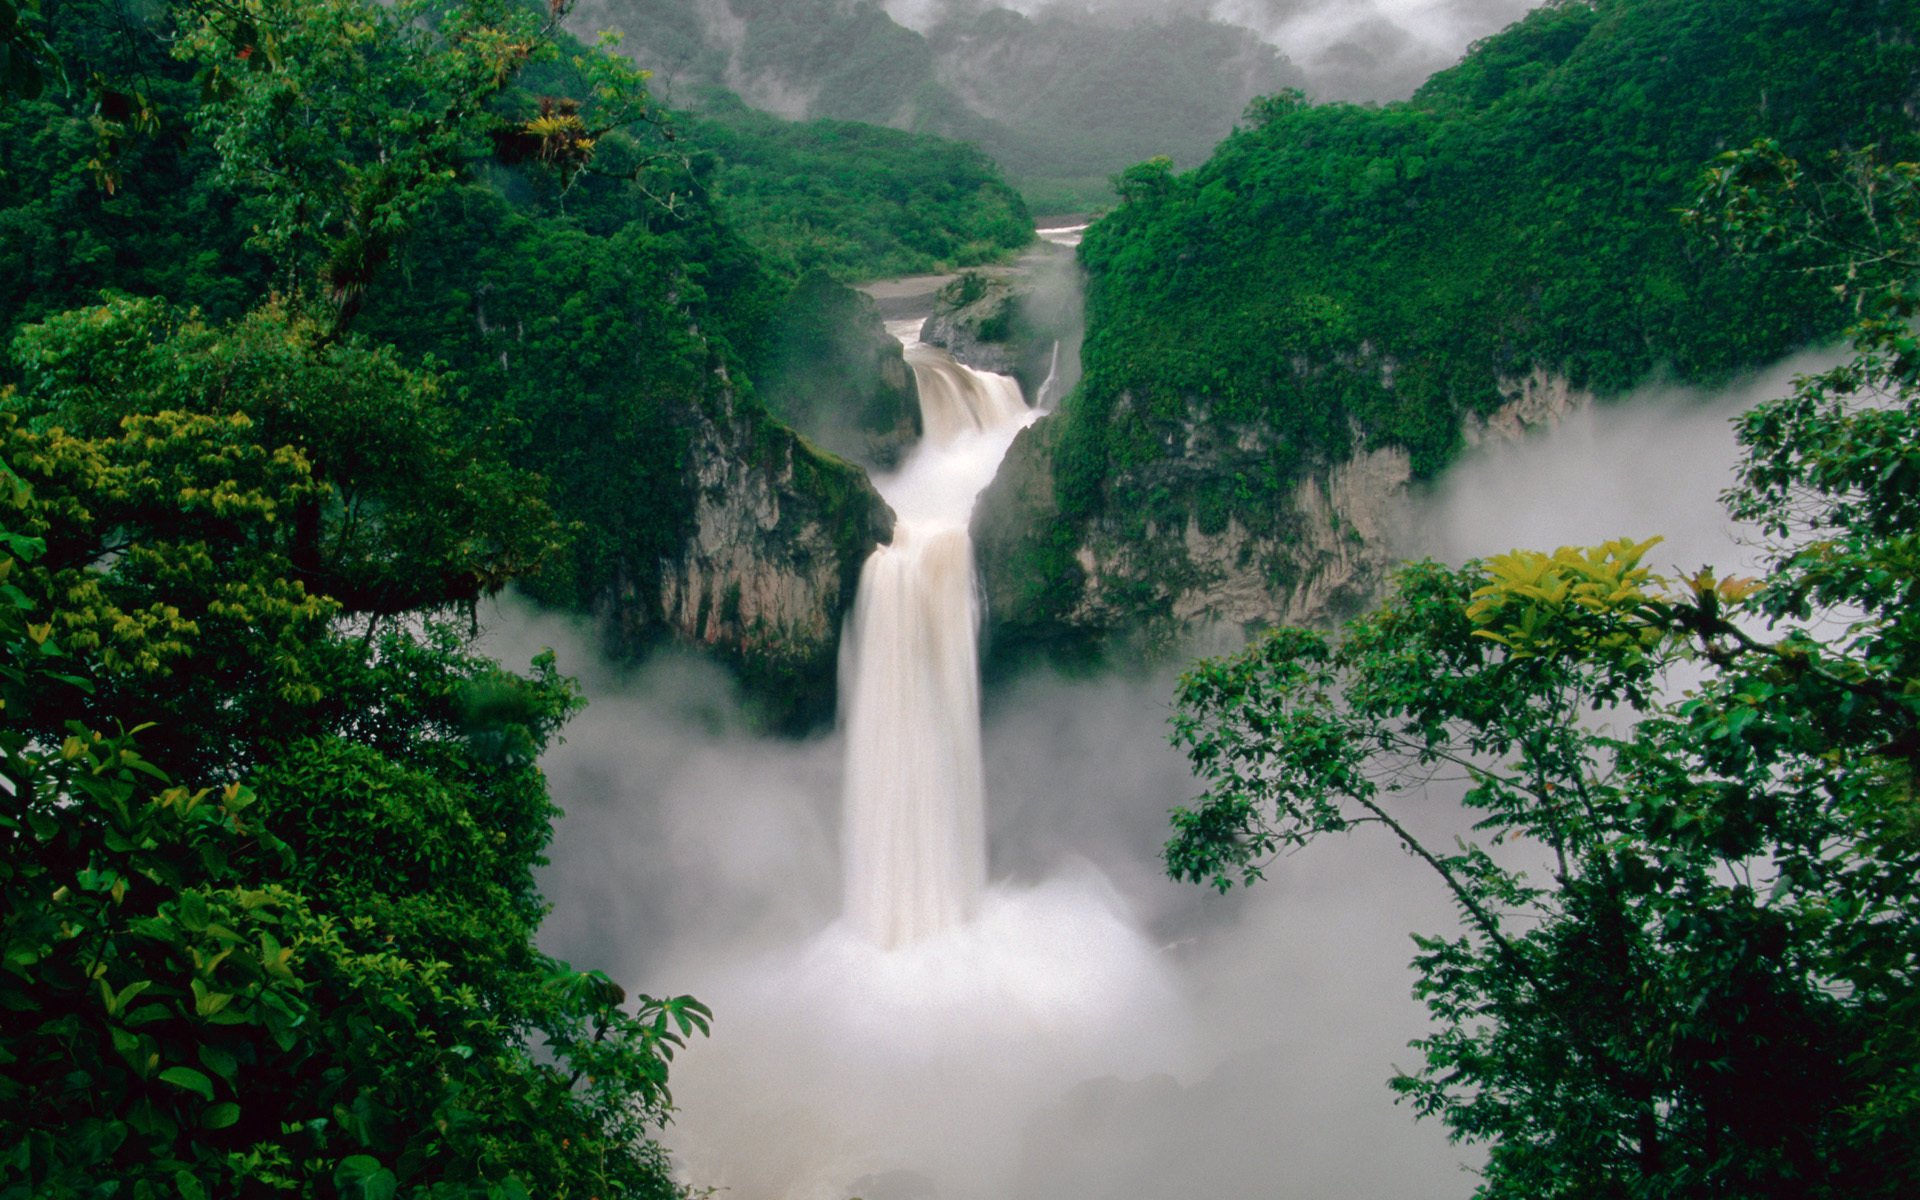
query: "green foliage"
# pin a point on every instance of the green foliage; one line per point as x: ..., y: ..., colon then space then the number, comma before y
x: 24, y: 53
x: 859, y: 201
x: 833, y: 373
x: 1338, y: 275
x: 345, y: 120
x: 320, y: 969
x: 540, y: 236
x: 418, y: 509
x: 101, y: 188
x: 268, y: 905
x: 582, y: 350
x: 1706, y: 985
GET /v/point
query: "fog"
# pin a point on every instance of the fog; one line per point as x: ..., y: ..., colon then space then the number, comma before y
x: 1654, y: 462
x: 1100, y: 1031
x: 1350, y: 49
x: 1239, y: 1041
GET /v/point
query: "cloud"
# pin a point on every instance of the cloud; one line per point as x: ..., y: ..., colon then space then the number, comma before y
x: 1654, y: 462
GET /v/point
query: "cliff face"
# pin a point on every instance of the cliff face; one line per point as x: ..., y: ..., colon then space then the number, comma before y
x: 1194, y: 560
x: 1023, y: 320
x: 771, y: 559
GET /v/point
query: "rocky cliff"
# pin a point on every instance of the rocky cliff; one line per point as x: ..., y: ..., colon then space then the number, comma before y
x: 834, y: 373
x: 1194, y: 557
x: 1023, y: 320
x: 771, y: 559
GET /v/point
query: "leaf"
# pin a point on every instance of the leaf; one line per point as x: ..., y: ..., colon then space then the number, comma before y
x: 118, y: 1001
x: 220, y: 1062
x: 362, y: 1176
x: 220, y: 1116
x: 190, y: 1079
x: 208, y: 1003
x: 194, y: 916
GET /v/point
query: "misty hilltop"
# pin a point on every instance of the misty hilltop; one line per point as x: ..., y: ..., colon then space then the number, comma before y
x: 1061, y: 97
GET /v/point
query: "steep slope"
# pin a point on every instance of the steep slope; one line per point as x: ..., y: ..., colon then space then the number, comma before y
x: 857, y: 201
x: 1339, y: 292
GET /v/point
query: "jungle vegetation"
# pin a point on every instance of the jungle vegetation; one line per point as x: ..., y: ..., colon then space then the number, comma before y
x: 1342, y: 276
x: 321, y: 322
x: 1687, y: 865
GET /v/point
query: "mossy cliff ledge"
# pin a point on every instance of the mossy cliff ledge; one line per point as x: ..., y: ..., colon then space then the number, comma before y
x: 771, y: 560
x: 1342, y: 299
x: 836, y: 375
x: 1173, y: 549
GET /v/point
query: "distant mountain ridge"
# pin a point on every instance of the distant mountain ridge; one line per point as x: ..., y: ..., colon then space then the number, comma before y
x: 1061, y: 101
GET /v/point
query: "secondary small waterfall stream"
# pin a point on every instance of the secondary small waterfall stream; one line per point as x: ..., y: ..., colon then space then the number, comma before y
x: 914, y: 838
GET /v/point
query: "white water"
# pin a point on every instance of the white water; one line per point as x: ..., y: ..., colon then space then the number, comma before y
x: 907, y: 1045
x: 914, y: 828
x: 1062, y: 235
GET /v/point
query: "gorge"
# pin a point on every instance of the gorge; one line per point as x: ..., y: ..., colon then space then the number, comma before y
x: 382, y: 382
x: 1091, y: 1026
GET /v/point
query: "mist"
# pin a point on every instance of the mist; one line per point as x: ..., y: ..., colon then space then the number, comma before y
x: 1355, y: 50
x: 1652, y: 463
x: 1099, y: 1031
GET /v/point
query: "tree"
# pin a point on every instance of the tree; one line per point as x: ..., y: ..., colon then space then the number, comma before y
x: 269, y: 901
x: 345, y: 119
x: 268, y: 826
x: 290, y: 947
x: 1713, y: 987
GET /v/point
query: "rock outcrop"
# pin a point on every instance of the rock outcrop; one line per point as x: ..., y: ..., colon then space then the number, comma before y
x: 772, y: 557
x: 1537, y: 400
x: 1198, y: 555
x: 835, y: 374
x: 1010, y: 320
x: 977, y: 320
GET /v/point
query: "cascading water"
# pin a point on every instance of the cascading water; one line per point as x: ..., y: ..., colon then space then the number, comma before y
x: 914, y: 835
x: 1045, y: 1047
x: 940, y: 1011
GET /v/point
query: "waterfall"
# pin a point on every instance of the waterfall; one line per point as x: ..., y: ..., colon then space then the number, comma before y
x: 1050, y: 388
x: 913, y: 837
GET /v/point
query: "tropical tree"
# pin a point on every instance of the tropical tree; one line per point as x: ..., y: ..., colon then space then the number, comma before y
x: 1688, y: 961
x: 268, y: 825
x: 345, y: 119
x: 269, y: 901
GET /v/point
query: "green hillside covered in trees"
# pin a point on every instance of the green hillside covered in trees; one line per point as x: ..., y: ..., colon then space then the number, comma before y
x: 1339, y: 277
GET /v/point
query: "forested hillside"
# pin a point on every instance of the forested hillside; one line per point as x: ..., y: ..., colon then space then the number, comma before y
x: 1338, y: 279
x: 858, y: 201
x: 596, y: 296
